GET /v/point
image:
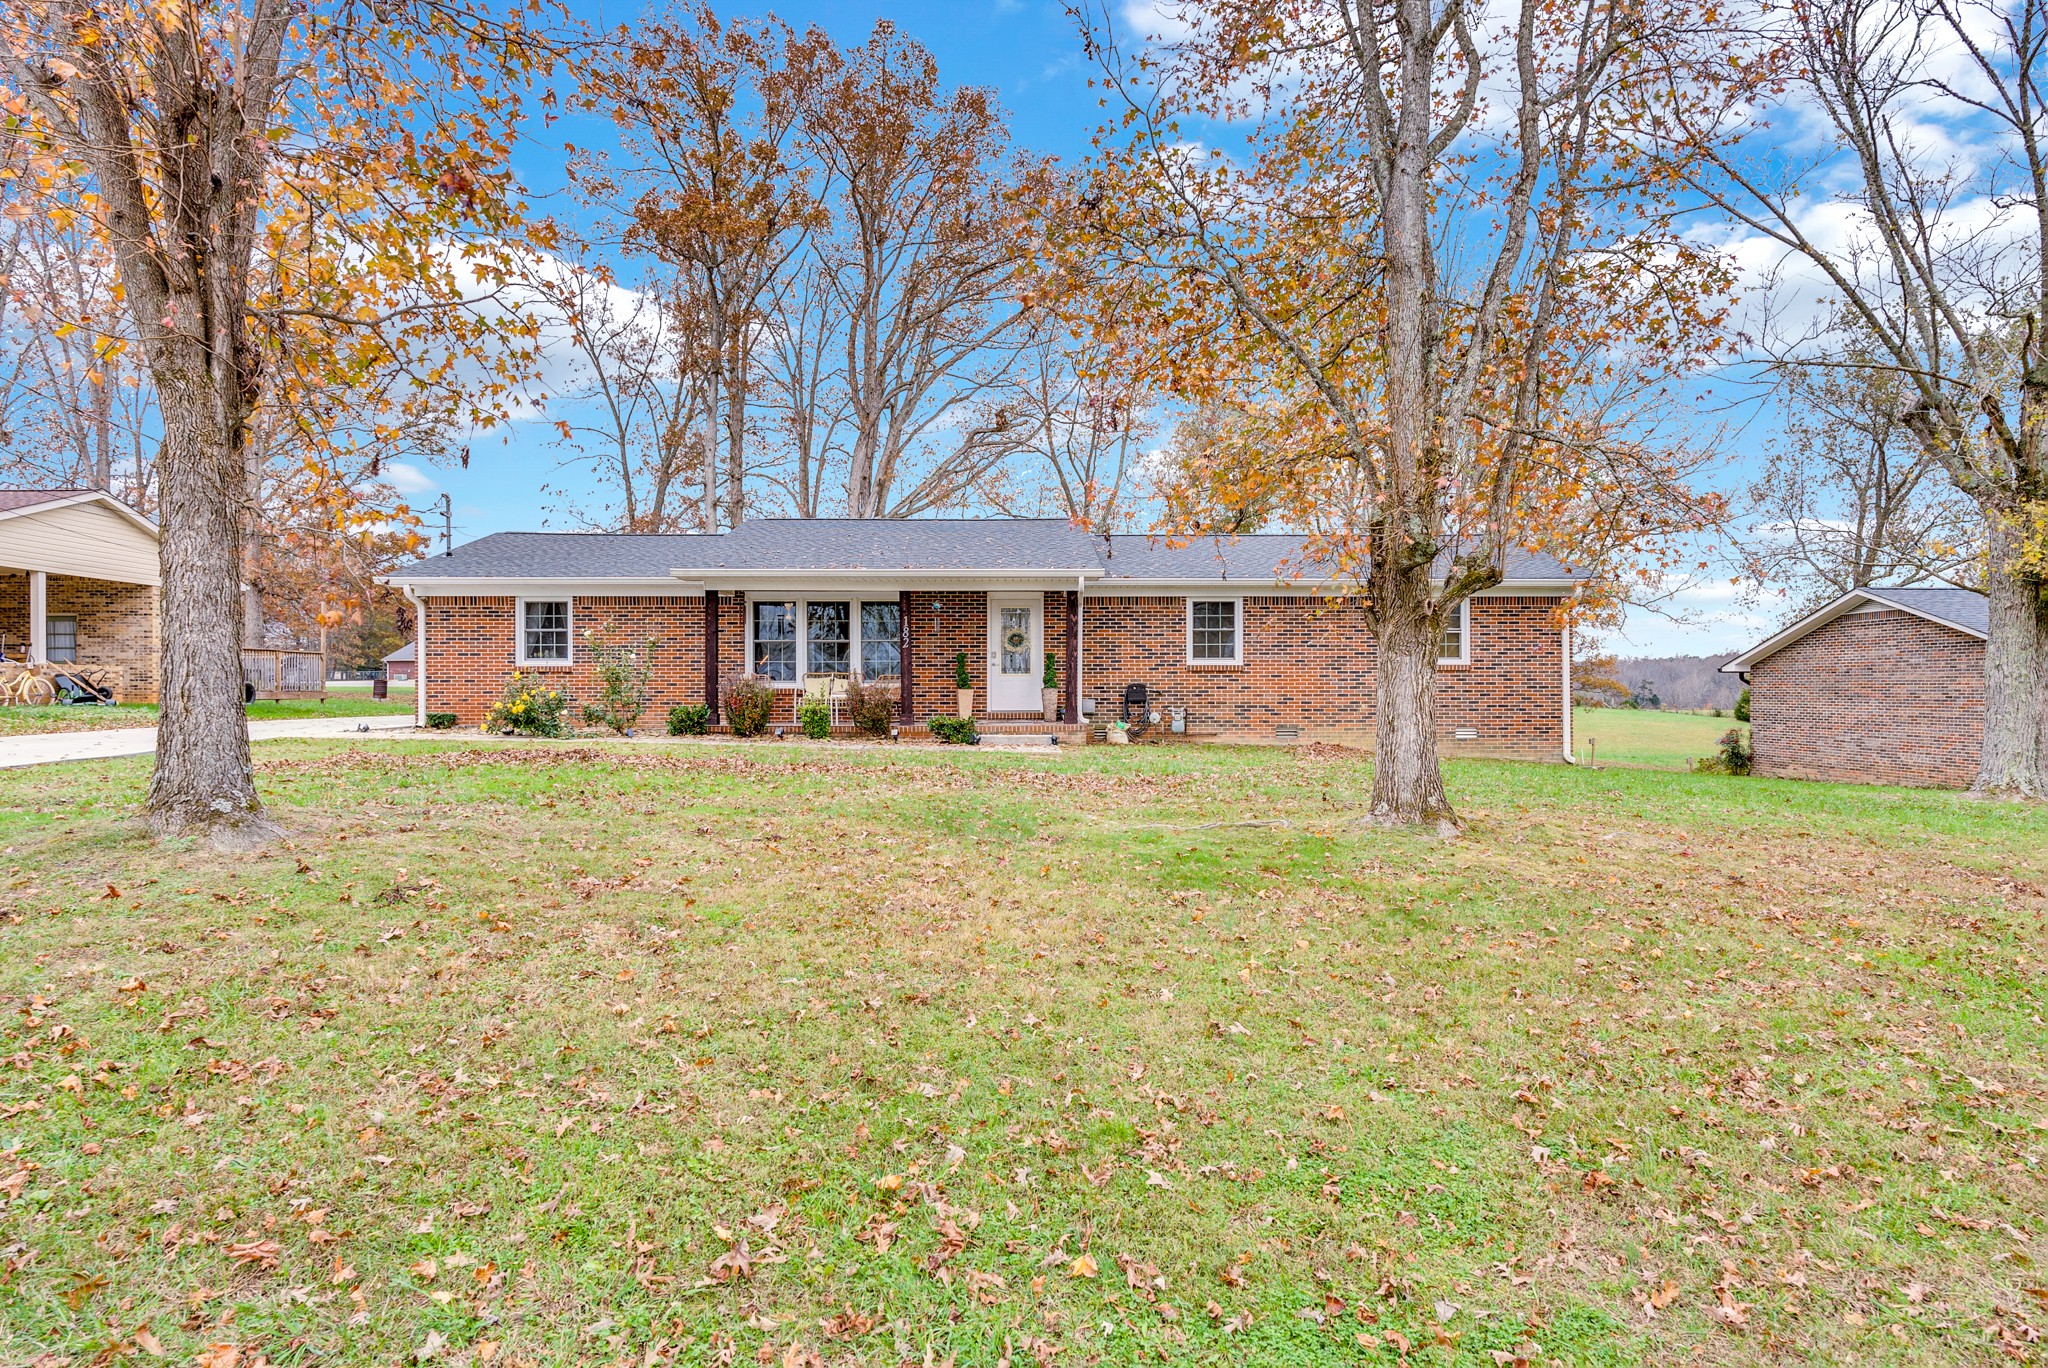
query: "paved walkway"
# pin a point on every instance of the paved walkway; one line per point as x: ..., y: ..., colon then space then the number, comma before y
x: 51, y: 748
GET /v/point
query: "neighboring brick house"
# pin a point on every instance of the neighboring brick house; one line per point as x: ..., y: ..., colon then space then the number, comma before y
x: 399, y: 665
x: 1233, y: 633
x: 1881, y: 686
x: 78, y: 586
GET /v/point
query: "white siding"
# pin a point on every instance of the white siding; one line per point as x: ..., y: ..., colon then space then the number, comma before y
x: 88, y: 540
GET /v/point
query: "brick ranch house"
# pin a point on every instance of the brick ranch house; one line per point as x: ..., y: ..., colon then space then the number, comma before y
x: 1230, y: 631
x: 79, y: 586
x: 1881, y: 686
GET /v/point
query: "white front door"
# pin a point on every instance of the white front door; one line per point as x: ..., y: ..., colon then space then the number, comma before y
x: 1016, y: 639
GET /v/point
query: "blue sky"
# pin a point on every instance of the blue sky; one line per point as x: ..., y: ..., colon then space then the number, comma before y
x: 1026, y: 51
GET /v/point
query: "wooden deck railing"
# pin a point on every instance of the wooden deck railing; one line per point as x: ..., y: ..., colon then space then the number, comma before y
x: 285, y: 674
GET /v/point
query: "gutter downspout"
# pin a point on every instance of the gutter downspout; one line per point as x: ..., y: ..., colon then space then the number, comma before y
x: 1080, y: 647
x: 1569, y: 759
x: 419, y: 664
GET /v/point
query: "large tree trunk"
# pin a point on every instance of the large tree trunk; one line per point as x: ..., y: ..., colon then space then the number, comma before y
x: 1407, y: 782
x: 2015, y: 762
x: 203, y: 783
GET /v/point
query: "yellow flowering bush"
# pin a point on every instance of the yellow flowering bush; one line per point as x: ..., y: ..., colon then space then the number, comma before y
x: 529, y: 707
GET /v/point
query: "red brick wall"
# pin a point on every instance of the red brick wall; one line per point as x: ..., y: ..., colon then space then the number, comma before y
x: 944, y: 623
x: 117, y: 628
x: 1871, y: 698
x: 1309, y: 663
x: 472, y: 648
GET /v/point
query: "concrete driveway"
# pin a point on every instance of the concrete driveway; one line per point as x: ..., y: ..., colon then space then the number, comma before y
x: 107, y: 745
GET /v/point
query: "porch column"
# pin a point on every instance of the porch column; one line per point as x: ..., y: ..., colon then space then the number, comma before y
x: 711, y: 652
x: 38, y: 616
x: 1072, y: 679
x: 904, y: 636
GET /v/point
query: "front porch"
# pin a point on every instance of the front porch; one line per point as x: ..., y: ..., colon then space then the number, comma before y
x: 803, y: 639
x: 106, y: 629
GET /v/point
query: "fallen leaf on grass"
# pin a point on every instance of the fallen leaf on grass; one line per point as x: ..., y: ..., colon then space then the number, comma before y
x: 262, y: 1252
x: 147, y: 1342
x: 1083, y: 1267
x: 1664, y: 1295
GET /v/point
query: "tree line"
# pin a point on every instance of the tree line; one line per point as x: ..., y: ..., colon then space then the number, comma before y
x: 1420, y: 278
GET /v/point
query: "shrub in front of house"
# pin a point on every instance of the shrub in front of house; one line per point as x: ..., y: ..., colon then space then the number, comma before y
x: 529, y: 707
x: 1731, y: 757
x: 814, y: 717
x: 441, y: 721
x: 954, y: 731
x: 625, y: 683
x: 872, y: 707
x: 688, y: 719
x: 748, y: 702
x: 1742, y: 706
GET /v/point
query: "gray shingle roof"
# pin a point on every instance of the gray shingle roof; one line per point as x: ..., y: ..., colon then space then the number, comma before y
x: 566, y: 555
x: 908, y: 544
x: 1264, y: 558
x: 11, y: 499
x: 1964, y: 608
x: 883, y: 545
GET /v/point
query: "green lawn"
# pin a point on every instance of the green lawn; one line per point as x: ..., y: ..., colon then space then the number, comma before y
x: 546, y: 1054
x: 1660, y: 740
x: 344, y: 703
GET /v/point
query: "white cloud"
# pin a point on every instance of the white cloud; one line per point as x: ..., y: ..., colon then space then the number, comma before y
x: 408, y: 479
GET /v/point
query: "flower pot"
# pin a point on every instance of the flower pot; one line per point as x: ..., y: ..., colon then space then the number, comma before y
x: 1050, y: 700
x: 966, y: 697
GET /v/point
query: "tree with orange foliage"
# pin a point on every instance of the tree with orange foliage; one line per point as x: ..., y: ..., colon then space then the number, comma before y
x: 310, y: 211
x: 1436, y: 292
x: 709, y: 115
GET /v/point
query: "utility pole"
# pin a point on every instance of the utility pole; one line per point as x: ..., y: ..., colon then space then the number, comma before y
x: 447, y: 524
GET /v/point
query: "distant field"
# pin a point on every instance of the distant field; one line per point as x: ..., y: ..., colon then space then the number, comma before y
x: 1660, y: 740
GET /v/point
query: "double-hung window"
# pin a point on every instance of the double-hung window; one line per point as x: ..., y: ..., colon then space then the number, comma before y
x: 775, y: 641
x: 1454, y: 648
x: 828, y: 639
x: 881, y: 644
x: 1214, y: 631
x: 544, y: 631
x: 60, y: 640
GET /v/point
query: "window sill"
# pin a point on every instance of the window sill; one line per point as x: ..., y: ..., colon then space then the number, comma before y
x: 1454, y: 664
x: 547, y: 664
x: 1215, y: 664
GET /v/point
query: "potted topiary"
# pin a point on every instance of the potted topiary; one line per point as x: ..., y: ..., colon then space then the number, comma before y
x: 963, y: 682
x: 1049, y: 696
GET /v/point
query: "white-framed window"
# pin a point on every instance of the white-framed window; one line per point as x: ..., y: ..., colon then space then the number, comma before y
x: 790, y: 638
x: 1215, y: 631
x: 881, y: 639
x: 774, y: 640
x: 1456, y: 647
x: 544, y: 637
x: 60, y: 640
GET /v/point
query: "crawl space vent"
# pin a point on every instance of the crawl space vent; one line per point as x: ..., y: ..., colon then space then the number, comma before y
x: 1288, y: 734
x: 1466, y: 733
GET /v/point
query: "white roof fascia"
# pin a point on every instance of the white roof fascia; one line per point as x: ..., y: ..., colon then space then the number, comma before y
x: 446, y: 586
x: 1325, y: 588
x: 1828, y: 612
x: 780, y: 579
x: 89, y: 496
